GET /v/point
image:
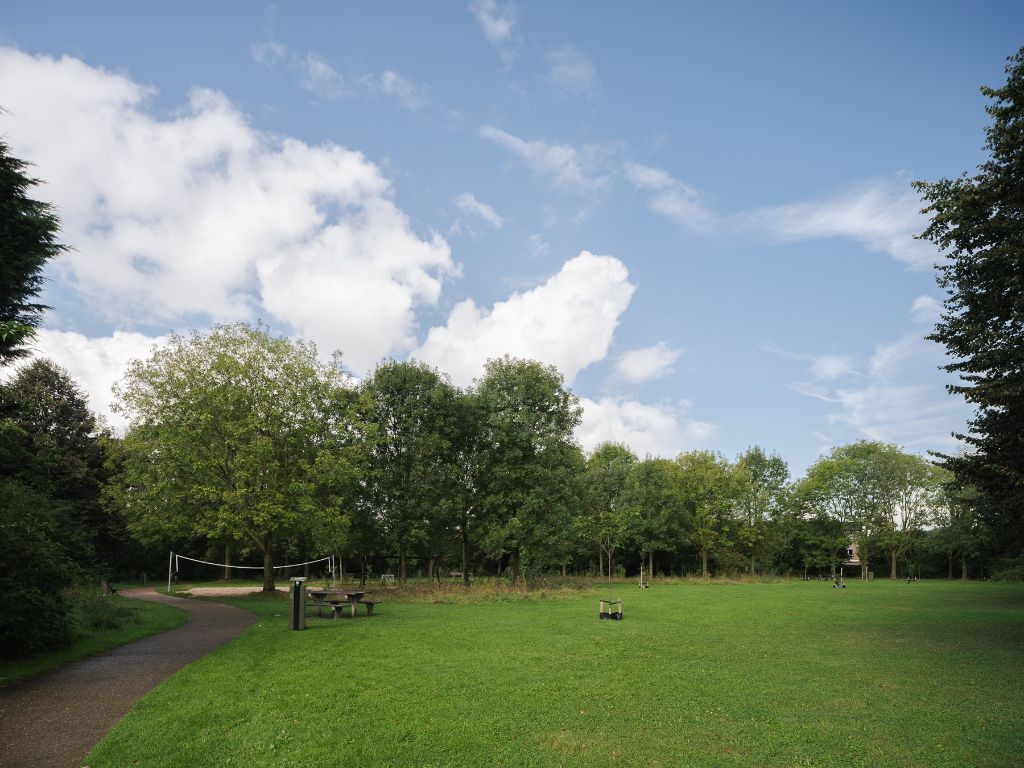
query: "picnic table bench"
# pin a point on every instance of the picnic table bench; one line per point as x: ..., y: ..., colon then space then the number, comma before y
x: 339, y: 599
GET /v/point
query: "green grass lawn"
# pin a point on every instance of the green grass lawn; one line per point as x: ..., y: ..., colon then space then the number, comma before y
x: 148, y: 619
x: 789, y: 674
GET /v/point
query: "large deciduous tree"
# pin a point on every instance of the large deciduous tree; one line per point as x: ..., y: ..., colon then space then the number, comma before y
x: 529, y: 466
x: 237, y: 435
x: 710, y: 486
x: 978, y: 222
x: 608, y: 520
x: 656, y: 507
x: 28, y: 239
x: 762, y: 503
x: 412, y: 470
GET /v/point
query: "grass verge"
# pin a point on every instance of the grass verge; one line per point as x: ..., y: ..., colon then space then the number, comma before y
x: 140, y: 619
x: 916, y: 675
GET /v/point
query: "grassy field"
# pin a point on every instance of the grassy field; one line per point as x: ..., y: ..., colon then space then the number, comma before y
x: 789, y: 674
x: 144, y: 619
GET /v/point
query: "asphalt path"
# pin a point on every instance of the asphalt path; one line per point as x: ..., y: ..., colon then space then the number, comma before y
x: 54, y: 719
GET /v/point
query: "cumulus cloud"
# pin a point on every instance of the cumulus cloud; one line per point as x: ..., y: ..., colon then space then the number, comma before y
x: 568, y: 321
x: 670, y: 197
x: 96, y: 364
x: 646, y: 363
x: 565, y: 165
x: 467, y: 203
x: 570, y: 71
x: 881, y: 216
x: 200, y: 216
x: 498, y: 22
x: 658, y: 429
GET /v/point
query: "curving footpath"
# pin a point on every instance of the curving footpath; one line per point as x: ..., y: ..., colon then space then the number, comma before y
x: 55, y: 719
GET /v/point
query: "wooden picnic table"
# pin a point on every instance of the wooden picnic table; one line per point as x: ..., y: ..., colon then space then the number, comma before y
x: 343, y: 597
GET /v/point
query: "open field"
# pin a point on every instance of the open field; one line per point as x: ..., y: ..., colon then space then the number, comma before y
x: 788, y: 674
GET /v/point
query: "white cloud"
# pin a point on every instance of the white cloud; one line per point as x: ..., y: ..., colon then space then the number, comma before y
x: 467, y: 203
x: 646, y: 363
x: 831, y: 366
x: 670, y: 197
x: 567, y: 166
x: 926, y: 309
x: 883, y: 217
x: 570, y: 71
x: 660, y: 429
x: 96, y: 364
x: 568, y: 321
x: 201, y: 216
x: 498, y: 23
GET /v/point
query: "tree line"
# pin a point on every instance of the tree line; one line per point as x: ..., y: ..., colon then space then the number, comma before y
x: 248, y: 443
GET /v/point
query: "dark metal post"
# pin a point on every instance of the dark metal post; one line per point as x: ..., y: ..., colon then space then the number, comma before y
x: 298, y: 612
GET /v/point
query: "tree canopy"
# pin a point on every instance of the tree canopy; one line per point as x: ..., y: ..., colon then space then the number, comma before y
x: 240, y: 436
x: 28, y: 239
x: 978, y: 224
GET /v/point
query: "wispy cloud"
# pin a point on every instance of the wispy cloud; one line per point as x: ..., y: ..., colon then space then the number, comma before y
x: 317, y: 75
x: 498, y: 22
x: 899, y: 396
x: 926, y: 309
x: 670, y: 197
x: 882, y: 216
x: 646, y: 363
x: 320, y: 78
x: 467, y: 203
x: 407, y: 93
x: 564, y: 164
x: 571, y: 71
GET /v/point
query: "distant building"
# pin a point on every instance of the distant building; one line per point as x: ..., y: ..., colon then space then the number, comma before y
x: 852, y: 555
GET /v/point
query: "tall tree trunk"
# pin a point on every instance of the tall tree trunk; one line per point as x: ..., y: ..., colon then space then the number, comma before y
x: 430, y: 568
x: 564, y: 566
x: 362, y: 571
x: 227, y: 561
x: 401, y: 564
x: 650, y: 564
x: 268, y: 567
x: 949, y: 562
x: 751, y: 567
x: 963, y: 566
x: 704, y: 563
x: 892, y: 568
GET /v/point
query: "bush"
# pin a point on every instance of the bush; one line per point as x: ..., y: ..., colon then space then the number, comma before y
x: 1009, y: 569
x: 34, y: 569
x: 92, y: 611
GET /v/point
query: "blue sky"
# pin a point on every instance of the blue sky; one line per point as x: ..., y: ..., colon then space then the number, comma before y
x: 701, y: 215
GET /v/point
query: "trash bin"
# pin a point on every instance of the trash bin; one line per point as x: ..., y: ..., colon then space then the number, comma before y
x: 298, y: 606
